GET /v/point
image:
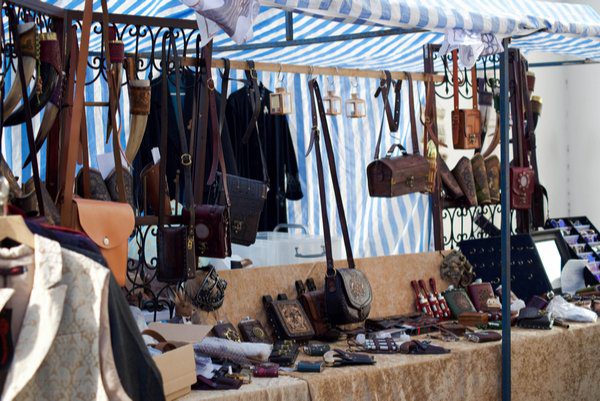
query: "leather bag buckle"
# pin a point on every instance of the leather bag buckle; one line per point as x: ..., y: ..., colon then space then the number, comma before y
x: 186, y: 159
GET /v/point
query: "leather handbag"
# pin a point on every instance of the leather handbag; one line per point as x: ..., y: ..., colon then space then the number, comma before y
x: 347, y: 290
x: 463, y: 172
x: 492, y: 169
x: 466, y: 123
x: 480, y: 179
x: 175, y: 247
x: 451, y: 186
x: 108, y: 224
x: 405, y: 174
x: 288, y: 318
x: 253, y: 331
x: 522, y: 182
x: 150, y: 190
x: 211, y: 221
x: 247, y: 196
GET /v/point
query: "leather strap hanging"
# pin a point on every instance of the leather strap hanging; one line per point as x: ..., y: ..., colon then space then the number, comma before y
x: 316, y: 104
x: 466, y: 123
x: 384, y: 88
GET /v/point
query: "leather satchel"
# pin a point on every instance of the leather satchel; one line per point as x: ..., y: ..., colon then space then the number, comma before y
x: 466, y: 123
x: 288, y: 318
x: 247, y: 196
x: 463, y: 172
x: 211, y: 230
x: 405, y: 174
x: 522, y: 183
x: 108, y: 224
x: 313, y: 302
x: 347, y: 291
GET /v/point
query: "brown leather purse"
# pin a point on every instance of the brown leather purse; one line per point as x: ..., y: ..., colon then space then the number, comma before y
x: 466, y: 123
x: 463, y: 172
x: 396, y: 176
x: 313, y: 302
x: 348, y: 293
x: 108, y: 224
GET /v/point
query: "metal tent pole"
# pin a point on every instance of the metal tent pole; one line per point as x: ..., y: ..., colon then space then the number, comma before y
x: 506, y: 226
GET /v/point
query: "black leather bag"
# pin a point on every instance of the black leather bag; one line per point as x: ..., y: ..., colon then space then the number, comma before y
x: 347, y: 290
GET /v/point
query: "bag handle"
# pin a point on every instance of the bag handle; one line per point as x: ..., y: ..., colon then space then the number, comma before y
x: 394, y: 147
x: 315, y: 97
x: 456, y: 94
x: 66, y: 215
x: 393, y: 122
x: 28, y: 120
x: 411, y: 113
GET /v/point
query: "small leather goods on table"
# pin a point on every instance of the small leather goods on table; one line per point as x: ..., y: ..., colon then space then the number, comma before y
x: 227, y: 331
x: 288, y: 318
x: 533, y: 318
x: 284, y: 353
x: 267, y: 369
x: 413, y: 324
x: 380, y: 346
x: 416, y: 347
x: 482, y: 296
x: 473, y: 319
x: 253, y: 331
x: 313, y: 302
x: 483, y: 336
x: 458, y: 301
x: 338, y: 357
x: 309, y: 367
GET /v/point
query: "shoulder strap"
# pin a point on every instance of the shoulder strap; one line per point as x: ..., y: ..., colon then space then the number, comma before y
x: 411, y: 113
x: 317, y: 108
x: 393, y: 121
x: 75, y: 123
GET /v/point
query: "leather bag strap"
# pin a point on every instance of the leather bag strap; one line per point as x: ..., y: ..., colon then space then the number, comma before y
x: 393, y: 121
x: 66, y: 215
x: 411, y: 113
x: 28, y: 120
x: 317, y: 109
x: 164, y: 133
x: 517, y: 110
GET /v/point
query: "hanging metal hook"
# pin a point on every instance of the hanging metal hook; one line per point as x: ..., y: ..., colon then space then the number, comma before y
x: 279, y: 77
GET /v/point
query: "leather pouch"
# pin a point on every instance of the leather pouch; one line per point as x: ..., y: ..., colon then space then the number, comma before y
x: 247, y: 198
x: 480, y: 178
x: 227, y: 331
x: 533, y: 318
x: 492, y: 168
x: 150, y: 183
x: 284, y: 353
x: 483, y: 336
x: 212, y: 231
x: 522, y: 182
x: 253, y: 331
x: 480, y: 293
x: 463, y: 172
x: 458, y: 301
x: 176, y: 260
x: 288, y: 318
x: 313, y: 302
x: 466, y: 123
x: 109, y: 225
x: 347, y: 296
x: 473, y: 319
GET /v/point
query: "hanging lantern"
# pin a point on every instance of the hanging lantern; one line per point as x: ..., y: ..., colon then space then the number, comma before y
x: 332, y: 102
x: 355, y: 107
x: 281, y: 102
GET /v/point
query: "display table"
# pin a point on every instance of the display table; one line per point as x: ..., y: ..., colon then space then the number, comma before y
x: 558, y: 364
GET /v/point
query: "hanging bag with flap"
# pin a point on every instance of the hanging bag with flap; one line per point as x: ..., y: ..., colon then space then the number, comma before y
x: 466, y: 123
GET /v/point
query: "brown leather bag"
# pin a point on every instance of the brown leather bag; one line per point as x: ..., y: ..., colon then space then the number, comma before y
x: 466, y: 123
x: 396, y: 176
x: 108, y: 224
x: 313, y: 302
x: 463, y: 172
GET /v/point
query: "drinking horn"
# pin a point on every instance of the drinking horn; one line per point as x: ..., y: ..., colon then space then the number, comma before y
x: 28, y: 39
x: 139, y: 109
x: 48, y: 79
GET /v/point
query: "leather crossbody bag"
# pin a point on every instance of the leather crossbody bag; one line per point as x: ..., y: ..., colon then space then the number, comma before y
x: 313, y: 302
x: 247, y: 196
x: 347, y: 290
x: 522, y: 176
x: 108, y: 224
x: 466, y: 123
x: 177, y: 260
x: 212, y: 221
x: 396, y: 176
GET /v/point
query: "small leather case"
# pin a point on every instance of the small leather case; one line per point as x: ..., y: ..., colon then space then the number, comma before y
x: 522, y: 183
x: 458, y: 301
x: 537, y: 302
x: 284, y: 353
x: 288, y: 318
x: 463, y: 172
x: 253, y: 331
x: 480, y: 293
x: 316, y: 349
x: 313, y: 302
x: 492, y: 169
x: 452, y: 327
x: 483, y: 336
x: 309, y: 367
x: 473, y: 319
x: 533, y: 318
x: 227, y: 331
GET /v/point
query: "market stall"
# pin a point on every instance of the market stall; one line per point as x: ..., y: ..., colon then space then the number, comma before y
x: 328, y: 60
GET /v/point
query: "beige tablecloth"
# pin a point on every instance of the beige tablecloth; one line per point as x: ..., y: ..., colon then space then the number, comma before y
x: 558, y: 364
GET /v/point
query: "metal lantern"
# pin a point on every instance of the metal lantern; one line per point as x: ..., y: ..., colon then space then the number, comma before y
x: 355, y: 106
x: 281, y: 101
x: 332, y: 102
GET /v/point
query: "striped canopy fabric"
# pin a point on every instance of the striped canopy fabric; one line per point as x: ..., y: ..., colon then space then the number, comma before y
x: 377, y: 226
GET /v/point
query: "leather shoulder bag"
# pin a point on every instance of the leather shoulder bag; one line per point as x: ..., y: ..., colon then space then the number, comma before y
x: 247, y: 196
x: 466, y: 123
x: 396, y: 176
x: 347, y: 290
x: 108, y: 224
x: 175, y: 249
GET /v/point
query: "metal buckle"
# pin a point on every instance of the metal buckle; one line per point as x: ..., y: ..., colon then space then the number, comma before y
x: 253, y: 73
x: 210, y: 84
x: 186, y: 159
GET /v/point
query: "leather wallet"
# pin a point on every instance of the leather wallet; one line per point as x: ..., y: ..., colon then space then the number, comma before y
x: 458, y: 301
x: 480, y: 293
x: 288, y: 318
x: 253, y: 331
x: 533, y: 318
x: 227, y: 331
x: 284, y: 353
x: 483, y: 336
